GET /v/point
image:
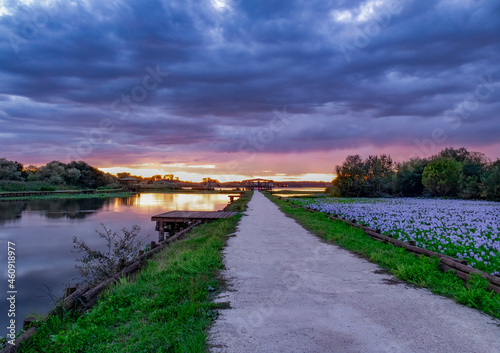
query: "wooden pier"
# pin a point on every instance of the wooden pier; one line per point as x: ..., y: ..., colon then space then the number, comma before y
x: 174, y: 221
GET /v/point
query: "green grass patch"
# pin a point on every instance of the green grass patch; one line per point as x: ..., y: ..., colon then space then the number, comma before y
x: 421, y: 271
x: 240, y: 204
x: 21, y: 186
x: 165, y: 309
x: 296, y: 192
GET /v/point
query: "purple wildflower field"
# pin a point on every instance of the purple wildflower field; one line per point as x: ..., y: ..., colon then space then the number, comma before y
x: 463, y: 229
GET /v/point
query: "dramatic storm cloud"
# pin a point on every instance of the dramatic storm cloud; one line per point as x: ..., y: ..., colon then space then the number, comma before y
x: 246, y: 87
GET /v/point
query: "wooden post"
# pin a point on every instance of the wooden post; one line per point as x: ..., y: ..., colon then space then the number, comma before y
x: 141, y: 252
x: 153, y: 245
x: 28, y: 321
x: 161, y: 232
x: 69, y: 290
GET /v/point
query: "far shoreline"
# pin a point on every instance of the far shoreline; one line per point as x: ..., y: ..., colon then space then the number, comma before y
x: 81, y: 194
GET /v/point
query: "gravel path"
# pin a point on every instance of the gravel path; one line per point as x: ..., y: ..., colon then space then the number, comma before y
x: 290, y: 292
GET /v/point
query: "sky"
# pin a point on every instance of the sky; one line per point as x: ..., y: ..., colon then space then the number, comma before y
x: 233, y: 89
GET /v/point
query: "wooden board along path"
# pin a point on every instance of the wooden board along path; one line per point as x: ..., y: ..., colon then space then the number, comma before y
x: 173, y: 221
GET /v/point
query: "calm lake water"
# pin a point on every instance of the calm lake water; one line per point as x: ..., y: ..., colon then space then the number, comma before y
x: 43, y: 230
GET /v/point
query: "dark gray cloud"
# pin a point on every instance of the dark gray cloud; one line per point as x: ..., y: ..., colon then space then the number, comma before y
x: 351, y: 73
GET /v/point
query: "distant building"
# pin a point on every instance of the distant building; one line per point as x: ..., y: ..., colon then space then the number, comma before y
x: 258, y: 184
x: 130, y: 183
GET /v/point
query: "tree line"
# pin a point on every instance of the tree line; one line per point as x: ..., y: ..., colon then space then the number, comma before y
x: 450, y: 173
x: 75, y: 174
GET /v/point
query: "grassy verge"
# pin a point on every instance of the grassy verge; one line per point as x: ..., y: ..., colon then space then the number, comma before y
x: 115, y: 194
x: 296, y: 192
x: 421, y: 271
x: 22, y: 186
x: 240, y: 204
x: 74, y: 196
x: 165, y: 309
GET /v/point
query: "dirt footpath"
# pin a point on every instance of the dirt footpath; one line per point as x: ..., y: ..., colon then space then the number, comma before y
x: 291, y: 292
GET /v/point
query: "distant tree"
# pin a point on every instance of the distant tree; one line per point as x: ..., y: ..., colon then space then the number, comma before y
x: 168, y: 177
x: 52, y: 173
x: 123, y: 175
x: 408, y: 180
x: 128, y: 175
x: 462, y: 155
x: 473, y: 170
x: 351, y: 178
x: 75, y: 174
x: 210, y: 181
x: 90, y: 177
x: 491, y: 182
x: 30, y: 172
x: 470, y: 182
x: 379, y: 174
x: 72, y: 176
x: 11, y: 170
x: 441, y: 177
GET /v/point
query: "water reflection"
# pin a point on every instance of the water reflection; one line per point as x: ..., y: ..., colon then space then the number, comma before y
x: 186, y: 202
x: 10, y: 211
x: 72, y: 209
x: 43, y: 229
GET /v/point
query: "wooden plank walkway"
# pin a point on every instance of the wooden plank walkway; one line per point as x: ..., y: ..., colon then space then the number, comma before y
x: 187, y: 216
x: 173, y: 221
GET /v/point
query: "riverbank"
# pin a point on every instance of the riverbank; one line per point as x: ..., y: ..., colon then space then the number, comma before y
x: 172, y: 295
x: 87, y: 194
x: 421, y: 271
x: 72, y: 196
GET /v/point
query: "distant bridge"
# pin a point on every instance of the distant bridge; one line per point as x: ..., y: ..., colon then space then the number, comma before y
x: 258, y: 184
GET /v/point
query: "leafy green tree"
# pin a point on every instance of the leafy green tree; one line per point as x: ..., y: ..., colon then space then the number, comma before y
x: 30, y: 172
x: 462, y: 155
x: 51, y: 173
x: 491, y: 182
x: 409, y: 177
x: 351, y: 178
x: 471, y: 180
x: 473, y: 169
x: 441, y: 177
x: 379, y: 174
x: 11, y: 170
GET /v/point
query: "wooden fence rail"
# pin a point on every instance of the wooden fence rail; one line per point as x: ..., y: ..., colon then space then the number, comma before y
x: 85, y: 297
x: 448, y: 263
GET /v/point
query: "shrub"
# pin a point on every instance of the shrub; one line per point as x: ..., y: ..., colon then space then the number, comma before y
x: 97, y: 265
x: 441, y: 177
